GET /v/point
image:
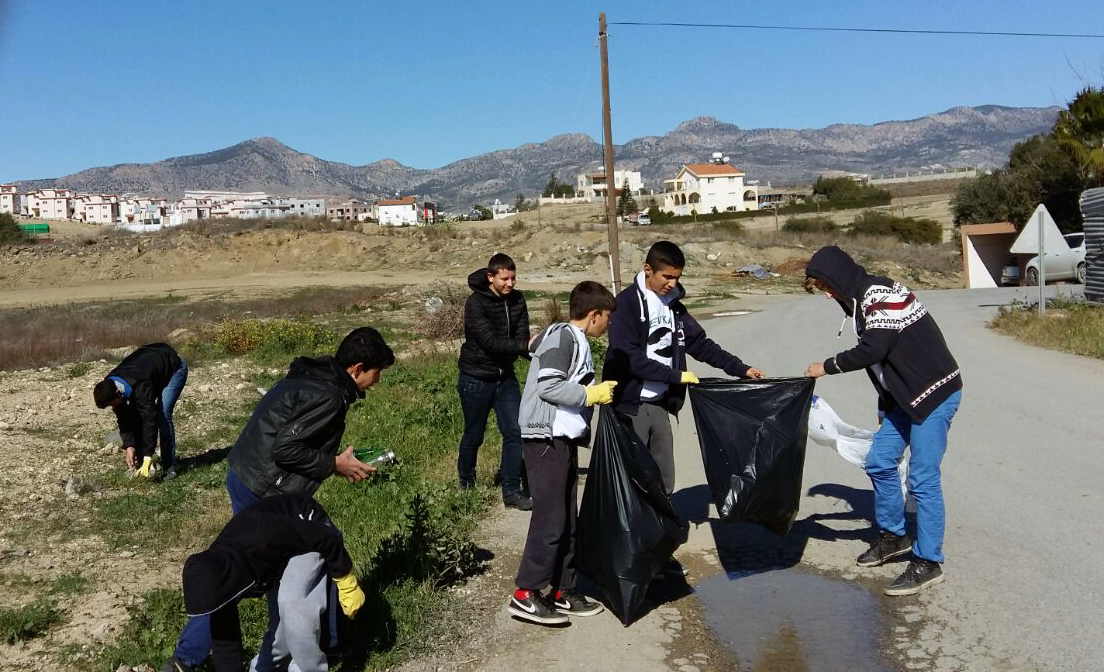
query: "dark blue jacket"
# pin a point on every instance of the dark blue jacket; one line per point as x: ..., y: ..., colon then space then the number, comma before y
x: 627, y: 359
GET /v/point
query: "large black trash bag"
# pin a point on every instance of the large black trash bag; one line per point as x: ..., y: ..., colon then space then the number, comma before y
x: 752, y: 436
x: 627, y: 528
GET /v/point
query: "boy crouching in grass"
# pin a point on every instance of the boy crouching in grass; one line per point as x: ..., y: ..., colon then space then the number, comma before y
x: 555, y: 421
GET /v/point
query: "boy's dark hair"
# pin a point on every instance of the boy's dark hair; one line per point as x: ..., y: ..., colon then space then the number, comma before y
x: 665, y: 254
x: 499, y: 262
x: 589, y: 295
x: 364, y: 346
x: 105, y: 392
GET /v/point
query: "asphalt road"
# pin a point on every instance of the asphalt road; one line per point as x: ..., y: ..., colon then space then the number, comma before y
x: 1022, y: 480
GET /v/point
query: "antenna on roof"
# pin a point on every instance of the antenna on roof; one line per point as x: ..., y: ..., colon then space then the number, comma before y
x: 726, y: 159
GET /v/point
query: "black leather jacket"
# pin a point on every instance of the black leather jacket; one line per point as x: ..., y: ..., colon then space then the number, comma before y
x: 496, y: 331
x: 294, y: 434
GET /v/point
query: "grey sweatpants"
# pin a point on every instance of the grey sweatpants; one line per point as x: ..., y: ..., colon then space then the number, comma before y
x: 653, y: 425
x: 295, y: 613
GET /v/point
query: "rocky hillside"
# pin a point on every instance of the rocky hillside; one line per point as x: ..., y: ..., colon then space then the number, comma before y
x: 960, y: 136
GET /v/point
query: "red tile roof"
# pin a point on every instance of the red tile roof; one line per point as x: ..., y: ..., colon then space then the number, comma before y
x: 701, y: 169
x: 405, y: 200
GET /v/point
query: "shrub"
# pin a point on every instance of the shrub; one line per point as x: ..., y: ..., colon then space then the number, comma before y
x: 818, y: 224
x: 10, y: 233
x: 844, y: 190
x: 554, y: 311
x: 518, y: 225
x: 241, y: 337
x: 905, y: 229
x: 444, y: 306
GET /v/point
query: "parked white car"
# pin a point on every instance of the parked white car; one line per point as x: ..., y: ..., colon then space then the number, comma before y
x: 1060, y: 265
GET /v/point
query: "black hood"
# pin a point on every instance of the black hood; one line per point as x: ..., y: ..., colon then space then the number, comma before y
x: 479, y: 283
x: 325, y: 368
x: 213, y: 578
x: 835, y: 267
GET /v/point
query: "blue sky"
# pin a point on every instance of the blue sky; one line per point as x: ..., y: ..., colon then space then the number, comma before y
x: 85, y: 84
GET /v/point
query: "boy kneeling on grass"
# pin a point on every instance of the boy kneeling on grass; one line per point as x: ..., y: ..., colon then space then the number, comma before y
x: 555, y: 421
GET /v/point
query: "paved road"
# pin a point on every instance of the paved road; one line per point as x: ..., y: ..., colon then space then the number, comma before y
x: 1022, y: 481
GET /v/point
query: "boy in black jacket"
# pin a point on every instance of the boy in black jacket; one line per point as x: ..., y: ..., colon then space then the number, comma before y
x: 919, y: 389
x: 247, y: 556
x: 650, y: 335
x: 496, y: 333
x: 142, y: 390
x: 291, y: 444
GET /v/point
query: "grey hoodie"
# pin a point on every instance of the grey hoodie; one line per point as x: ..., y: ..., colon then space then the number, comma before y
x: 553, y: 404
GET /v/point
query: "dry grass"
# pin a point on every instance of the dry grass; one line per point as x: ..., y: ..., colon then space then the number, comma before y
x: 43, y: 336
x: 217, y: 225
x: 934, y: 258
x: 444, y: 313
x: 1068, y: 326
x: 554, y: 311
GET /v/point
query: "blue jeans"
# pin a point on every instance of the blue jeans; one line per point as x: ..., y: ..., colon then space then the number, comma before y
x: 928, y: 440
x: 167, y: 431
x: 240, y: 495
x: 477, y: 397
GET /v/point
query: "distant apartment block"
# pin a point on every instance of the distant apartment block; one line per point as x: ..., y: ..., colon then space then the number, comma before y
x: 96, y: 208
x: 593, y: 185
x: 141, y: 211
x: 351, y: 211
x: 49, y: 204
x: 398, y: 211
x: 10, y: 201
x: 701, y: 188
x: 187, y: 210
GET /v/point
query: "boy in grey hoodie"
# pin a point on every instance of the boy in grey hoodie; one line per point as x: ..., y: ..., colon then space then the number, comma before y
x: 555, y: 421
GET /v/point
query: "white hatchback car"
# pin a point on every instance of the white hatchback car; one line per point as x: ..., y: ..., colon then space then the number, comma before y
x: 1061, y: 265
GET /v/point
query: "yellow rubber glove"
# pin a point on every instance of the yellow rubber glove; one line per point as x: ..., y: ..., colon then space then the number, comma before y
x: 688, y: 378
x: 147, y: 466
x: 600, y: 393
x: 349, y: 594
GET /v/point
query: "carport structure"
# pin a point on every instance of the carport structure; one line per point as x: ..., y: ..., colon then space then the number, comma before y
x: 985, y: 252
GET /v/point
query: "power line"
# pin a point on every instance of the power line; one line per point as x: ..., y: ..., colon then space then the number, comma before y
x: 828, y: 29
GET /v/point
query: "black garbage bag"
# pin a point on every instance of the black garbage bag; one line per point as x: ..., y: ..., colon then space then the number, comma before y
x: 752, y: 435
x: 626, y: 528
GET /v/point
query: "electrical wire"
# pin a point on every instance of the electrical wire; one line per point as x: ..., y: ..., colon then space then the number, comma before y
x: 750, y: 26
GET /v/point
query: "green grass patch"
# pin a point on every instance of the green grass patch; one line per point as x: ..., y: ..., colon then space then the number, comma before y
x: 1068, y: 326
x: 18, y: 624
x: 78, y: 369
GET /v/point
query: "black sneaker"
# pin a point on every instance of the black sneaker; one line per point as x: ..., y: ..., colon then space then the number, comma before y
x: 918, y: 574
x: 516, y: 500
x: 467, y: 485
x: 169, y: 474
x: 573, y: 603
x: 887, y: 546
x: 535, y: 608
x: 175, y: 665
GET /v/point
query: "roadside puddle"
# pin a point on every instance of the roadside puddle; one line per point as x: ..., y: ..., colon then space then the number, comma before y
x: 794, y: 620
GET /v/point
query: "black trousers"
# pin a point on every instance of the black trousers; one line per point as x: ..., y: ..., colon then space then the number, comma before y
x: 553, y: 471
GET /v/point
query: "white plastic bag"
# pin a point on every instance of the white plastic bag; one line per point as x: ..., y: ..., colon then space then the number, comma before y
x: 852, y: 443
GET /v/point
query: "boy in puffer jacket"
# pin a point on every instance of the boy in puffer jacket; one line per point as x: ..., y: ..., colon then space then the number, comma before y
x: 555, y: 421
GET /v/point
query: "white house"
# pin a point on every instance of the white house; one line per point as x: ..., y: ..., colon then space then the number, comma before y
x: 398, y: 211
x: 141, y: 211
x: 702, y: 188
x: 216, y: 197
x: 593, y: 185
x: 49, y: 204
x: 96, y: 208
x: 9, y: 199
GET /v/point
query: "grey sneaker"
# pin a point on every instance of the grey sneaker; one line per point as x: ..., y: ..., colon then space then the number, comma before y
x: 175, y: 665
x: 887, y: 546
x: 920, y: 573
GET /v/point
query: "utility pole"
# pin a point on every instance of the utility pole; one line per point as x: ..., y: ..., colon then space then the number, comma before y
x: 1041, y: 275
x: 611, y: 191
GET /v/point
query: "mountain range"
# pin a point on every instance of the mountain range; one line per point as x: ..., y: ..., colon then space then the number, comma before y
x: 974, y: 136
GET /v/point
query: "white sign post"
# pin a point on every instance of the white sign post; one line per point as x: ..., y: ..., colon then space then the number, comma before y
x: 1042, y: 261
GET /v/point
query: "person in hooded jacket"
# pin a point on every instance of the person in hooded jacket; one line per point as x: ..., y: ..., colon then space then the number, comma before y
x: 291, y: 444
x: 919, y: 389
x: 249, y: 555
x: 143, y: 390
x: 650, y: 334
x: 496, y: 333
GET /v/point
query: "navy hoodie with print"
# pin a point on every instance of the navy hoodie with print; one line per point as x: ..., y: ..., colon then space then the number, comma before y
x: 627, y: 359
